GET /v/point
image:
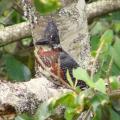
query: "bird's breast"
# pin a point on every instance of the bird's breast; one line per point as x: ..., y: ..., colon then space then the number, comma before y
x: 50, y: 60
x: 48, y: 57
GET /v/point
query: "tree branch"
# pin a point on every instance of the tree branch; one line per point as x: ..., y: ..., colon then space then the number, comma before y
x: 15, y: 32
x: 23, y: 97
x: 26, y: 96
x: 100, y: 8
x: 22, y: 30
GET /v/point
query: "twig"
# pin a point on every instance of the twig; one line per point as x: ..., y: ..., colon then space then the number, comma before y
x: 87, y: 114
x: 91, y: 10
x: 58, y: 71
x: 50, y: 73
x: 96, y: 58
x: 108, y: 73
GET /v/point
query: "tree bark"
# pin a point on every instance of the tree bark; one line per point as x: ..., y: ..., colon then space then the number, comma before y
x: 72, y: 24
x: 9, y: 34
x: 26, y: 96
x: 102, y: 7
x: 15, y: 32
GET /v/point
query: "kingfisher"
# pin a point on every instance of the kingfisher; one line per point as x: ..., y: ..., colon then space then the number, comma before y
x: 55, y: 57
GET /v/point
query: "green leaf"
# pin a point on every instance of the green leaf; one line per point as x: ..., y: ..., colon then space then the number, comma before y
x: 100, y: 86
x: 113, y: 16
x: 94, y: 41
x: 116, y: 26
x: 98, y: 28
x: 99, y: 99
x: 106, y: 113
x: 82, y: 100
x: 81, y: 74
x: 69, y: 78
x: 23, y: 117
x: 115, y: 70
x: 69, y: 113
x: 105, y: 44
x: 98, y: 114
x: 106, y: 40
x: 4, y: 6
x: 107, y: 37
x: 67, y: 100
x: 47, y: 6
x: 43, y: 111
x: 26, y: 41
x: 115, y: 53
x: 115, y: 84
x: 93, y: 53
x: 114, y: 115
x: 15, y: 69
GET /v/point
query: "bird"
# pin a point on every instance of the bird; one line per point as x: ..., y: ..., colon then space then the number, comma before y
x: 55, y: 57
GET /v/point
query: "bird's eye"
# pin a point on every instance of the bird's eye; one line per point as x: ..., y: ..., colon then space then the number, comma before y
x: 51, y: 36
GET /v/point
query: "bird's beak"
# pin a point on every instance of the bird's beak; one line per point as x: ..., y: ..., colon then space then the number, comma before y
x: 42, y: 42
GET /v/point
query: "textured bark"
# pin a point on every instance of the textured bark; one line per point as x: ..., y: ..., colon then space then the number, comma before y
x: 26, y: 96
x: 15, y: 32
x: 102, y: 7
x: 9, y: 34
x: 71, y: 20
x: 72, y: 24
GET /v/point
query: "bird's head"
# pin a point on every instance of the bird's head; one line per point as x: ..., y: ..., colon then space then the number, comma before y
x: 51, y: 36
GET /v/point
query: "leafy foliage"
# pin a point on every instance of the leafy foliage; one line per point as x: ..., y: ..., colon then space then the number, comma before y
x: 47, y: 6
x: 115, y: 52
x: 105, y: 35
x: 15, y: 69
x: 17, y: 63
x: 23, y: 117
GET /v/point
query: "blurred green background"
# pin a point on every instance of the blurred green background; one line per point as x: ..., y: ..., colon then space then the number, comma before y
x: 17, y: 58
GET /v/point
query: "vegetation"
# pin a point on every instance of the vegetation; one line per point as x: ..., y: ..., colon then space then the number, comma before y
x: 17, y: 63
